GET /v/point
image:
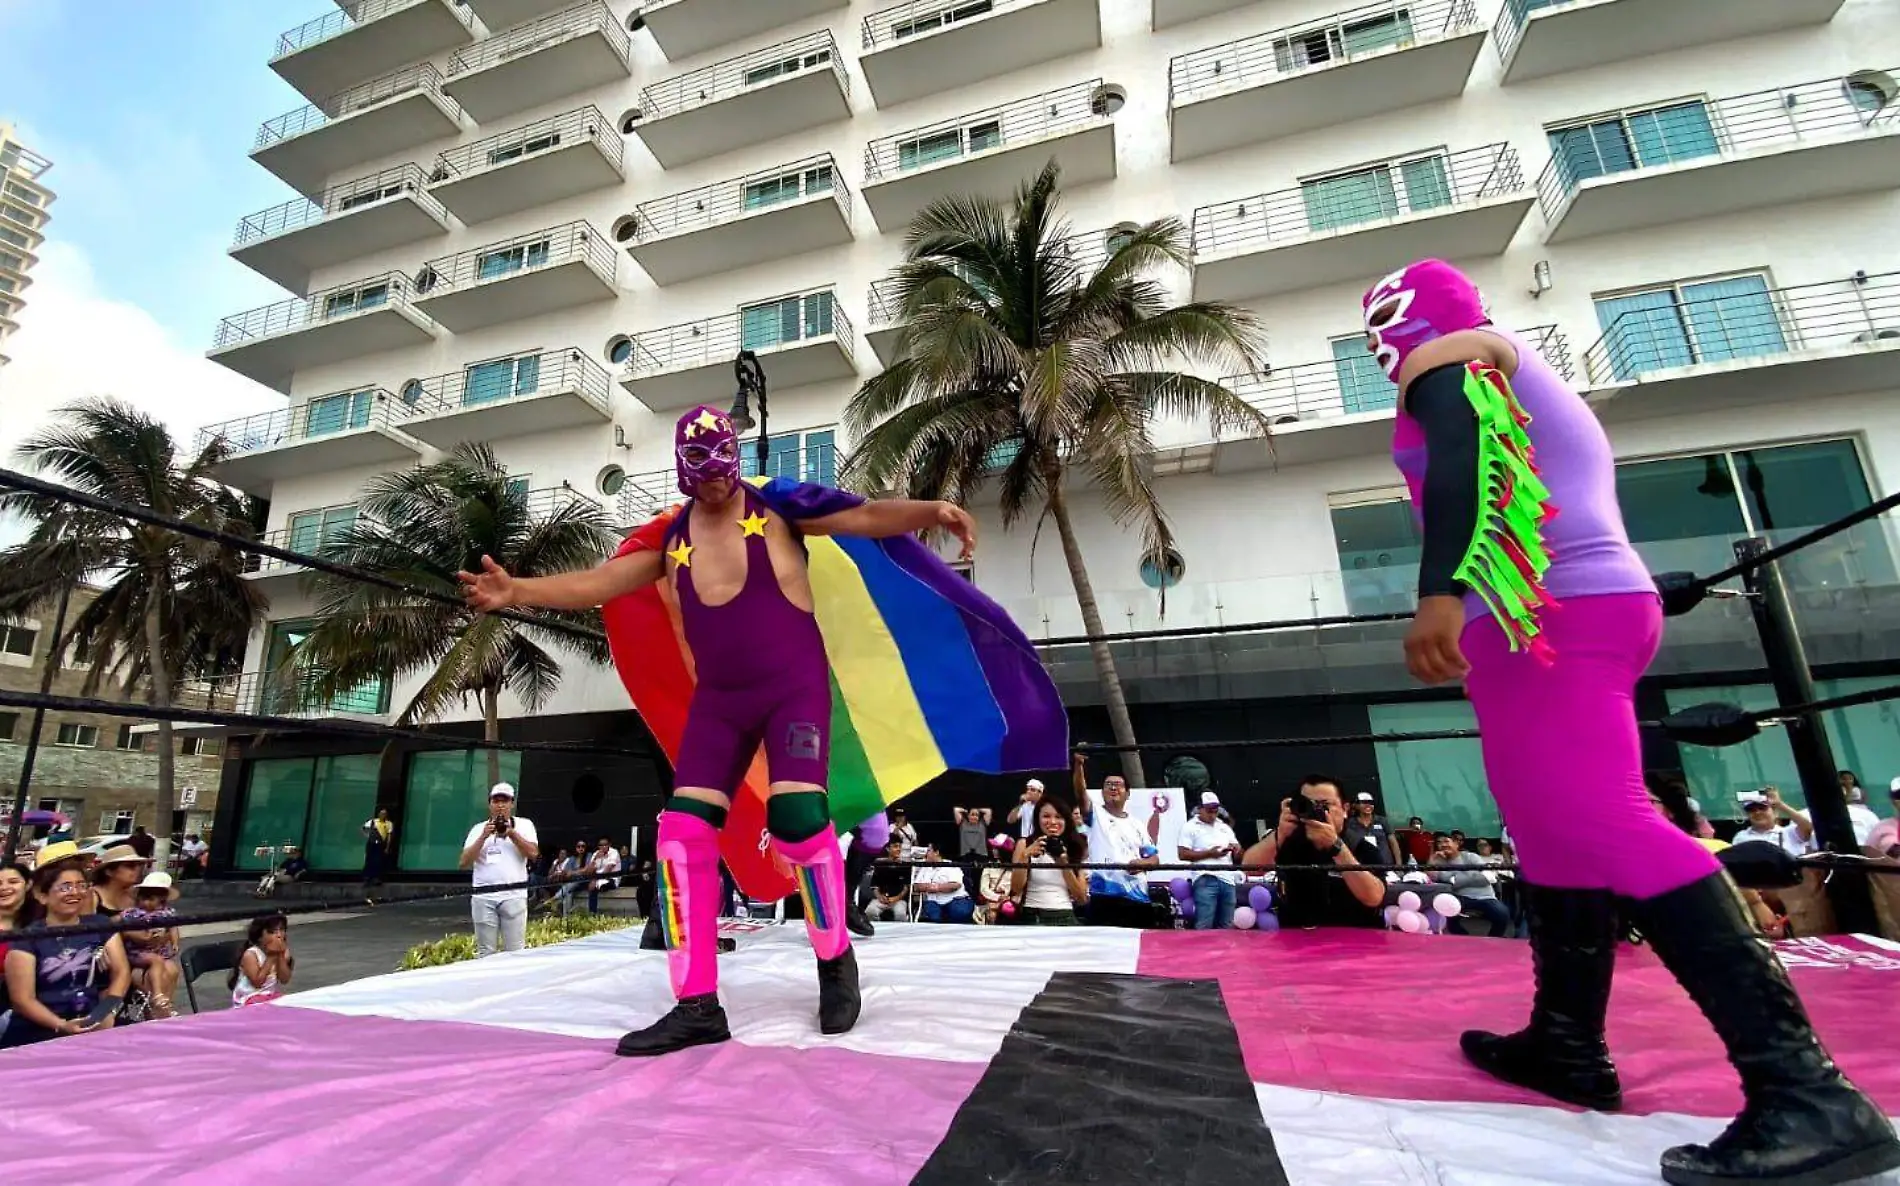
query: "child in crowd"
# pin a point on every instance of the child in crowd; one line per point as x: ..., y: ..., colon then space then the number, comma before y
x: 153, y: 949
x: 265, y: 967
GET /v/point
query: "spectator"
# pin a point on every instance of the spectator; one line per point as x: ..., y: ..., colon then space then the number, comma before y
x: 498, y: 850
x: 54, y: 983
x: 1414, y: 842
x: 1365, y: 823
x: 1023, y: 815
x: 195, y: 853
x: 1321, y: 883
x: 1487, y: 854
x: 266, y: 965
x: 1885, y: 839
x: 1671, y: 800
x: 1463, y: 871
x: 296, y: 865
x: 153, y: 949
x: 377, y: 836
x: 972, y: 829
x: 1860, y: 815
x: 567, y: 873
x: 1118, y: 897
x: 1764, y: 813
x: 993, y: 885
x: 903, y: 829
x: 1044, y: 879
x: 605, y: 865
x: 945, y: 897
x: 16, y: 901
x: 142, y: 842
x: 1208, y: 842
x: 113, y: 878
x: 890, y: 886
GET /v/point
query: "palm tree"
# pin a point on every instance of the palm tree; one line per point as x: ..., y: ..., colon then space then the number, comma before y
x: 169, y: 604
x: 421, y: 526
x: 1022, y: 364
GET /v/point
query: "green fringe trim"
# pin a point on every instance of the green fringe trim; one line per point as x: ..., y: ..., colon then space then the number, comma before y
x: 1507, y: 559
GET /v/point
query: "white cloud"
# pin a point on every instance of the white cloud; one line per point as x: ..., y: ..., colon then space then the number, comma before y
x: 75, y: 342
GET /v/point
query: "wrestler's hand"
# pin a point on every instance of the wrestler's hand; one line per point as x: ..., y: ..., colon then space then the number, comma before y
x: 1432, y: 653
x: 492, y: 590
x: 958, y: 522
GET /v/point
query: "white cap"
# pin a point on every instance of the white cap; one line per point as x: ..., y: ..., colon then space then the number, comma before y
x: 1362, y: 797
x: 1209, y: 799
x: 502, y: 789
x: 1034, y: 784
x: 1753, y: 797
x: 1695, y: 806
x: 1894, y: 786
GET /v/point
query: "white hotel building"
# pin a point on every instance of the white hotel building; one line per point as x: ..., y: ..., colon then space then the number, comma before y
x: 24, y: 203
x: 551, y: 225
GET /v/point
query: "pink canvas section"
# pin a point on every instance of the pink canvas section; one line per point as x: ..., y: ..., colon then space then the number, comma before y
x: 1373, y: 1013
x: 292, y: 1096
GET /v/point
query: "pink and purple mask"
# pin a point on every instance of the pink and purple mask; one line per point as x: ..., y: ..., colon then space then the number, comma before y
x: 705, y: 449
x: 1418, y: 304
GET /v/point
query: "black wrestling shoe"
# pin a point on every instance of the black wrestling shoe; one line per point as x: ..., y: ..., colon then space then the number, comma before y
x: 838, y: 999
x: 857, y: 923
x: 1803, y: 1123
x: 1561, y: 1053
x: 650, y: 939
x: 694, y: 1021
x: 857, y: 863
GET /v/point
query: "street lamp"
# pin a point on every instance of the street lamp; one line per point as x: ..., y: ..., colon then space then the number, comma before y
x: 751, y: 381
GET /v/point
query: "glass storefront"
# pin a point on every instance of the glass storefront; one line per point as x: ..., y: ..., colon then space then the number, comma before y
x: 446, y: 794
x: 1441, y: 782
x: 317, y: 803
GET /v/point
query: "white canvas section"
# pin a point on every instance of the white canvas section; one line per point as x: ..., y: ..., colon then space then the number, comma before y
x: 940, y: 992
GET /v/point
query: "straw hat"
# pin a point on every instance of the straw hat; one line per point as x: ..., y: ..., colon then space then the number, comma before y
x: 158, y: 881
x: 63, y: 850
x: 120, y: 854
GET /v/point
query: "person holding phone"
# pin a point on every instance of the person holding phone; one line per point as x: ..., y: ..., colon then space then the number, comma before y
x: 1045, y: 881
x: 498, y: 851
x: 1208, y: 842
x: 70, y: 985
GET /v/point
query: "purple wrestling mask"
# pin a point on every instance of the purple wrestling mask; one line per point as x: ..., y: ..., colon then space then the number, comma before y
x: 1419, y: 304
x: 705, y: 449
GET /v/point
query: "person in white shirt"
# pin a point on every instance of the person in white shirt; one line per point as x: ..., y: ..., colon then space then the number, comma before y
x: 946, y: 899
x: 498, y: 850
x: 1209, y: 843
x: 1860, y: 815
x: 604, y: 861
x: 1023, y: 815
x: 1764, y: 813
x: 1117, y: 897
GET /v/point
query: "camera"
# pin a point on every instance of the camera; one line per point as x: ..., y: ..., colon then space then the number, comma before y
x: 502, y: 825
x: 1309, y: 809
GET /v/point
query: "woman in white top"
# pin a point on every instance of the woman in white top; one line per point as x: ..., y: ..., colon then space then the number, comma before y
x: 1046, y: 884
x: 266, y: 965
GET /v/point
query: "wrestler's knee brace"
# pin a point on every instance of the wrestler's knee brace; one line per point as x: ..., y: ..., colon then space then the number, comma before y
x: 687, y: 899
x: 800, y: 823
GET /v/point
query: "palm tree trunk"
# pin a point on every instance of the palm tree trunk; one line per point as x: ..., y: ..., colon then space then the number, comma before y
x: 161, y: 699
x: 491, y: 729
x: 1112, y: 697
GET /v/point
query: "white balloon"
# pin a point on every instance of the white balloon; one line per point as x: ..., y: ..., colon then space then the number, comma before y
x: 1448, y: 905
x: 1409, y: 901
x: 1412, y: 922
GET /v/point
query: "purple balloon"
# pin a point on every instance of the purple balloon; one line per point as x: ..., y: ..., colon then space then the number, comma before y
x: 1265, y: 921
x: 1260, y: 898
x: 1187, y: 909
x: 1182, y: 890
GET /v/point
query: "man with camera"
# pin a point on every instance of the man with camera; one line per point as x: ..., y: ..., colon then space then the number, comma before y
x: 1321, y: 883
x: 498, y: 849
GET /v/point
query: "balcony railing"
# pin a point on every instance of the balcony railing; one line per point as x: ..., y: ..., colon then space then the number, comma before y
x: 1088, y: 249
x: 282, y: 693
x: 308, y: 539
x: 1750, y: 322
x: 1408, y: 185
x: 585, y: 124
x: 729, y: 201
x: 1355, y: 384
x: 920, y: 18
x: 548, y: 501
x: 309, y: 118
x: 339, y: 199
x: 575, y: 241
x: 1039, y: 117
x: 326, y: 415
x: 540, y: 33
x: 522, y: 376
x: 1317, y: 45
x: 782, y: 321
x: 1705, y: 130
x: 734, y: 76
x: 884, y: 303
x: 389, y: 290
x: 361, y: 12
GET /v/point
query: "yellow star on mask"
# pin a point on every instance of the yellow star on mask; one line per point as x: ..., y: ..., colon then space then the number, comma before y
x: 682, y: 555
x: 710, y: 421
x: 693, y: 429
x: 753, y: 524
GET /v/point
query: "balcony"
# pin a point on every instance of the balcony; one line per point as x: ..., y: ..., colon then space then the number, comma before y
x: 508, y: 397
x: 380, y: 119
x: 1350, y: 225
x: 929, y: 47
x: 1329, y: 411
x: 506, y: 14
x: 287, y: 243
x: 331, y: 325
x: 1538, y: 38
x: 1368, y: 61
x: 532, y: 65
x: 569, y: 154
x: 764, y: 96
x: 1727, y: 345
x: 990, y: 153
x: 800, y: 338
x: 540, y: 272
x: 367, y: 39
x: 775, y: 214
x: 1700, y: 159
x: 684, y: 28
x: 277, y: 694
x: 308, y: 532
x: 1169, y: 13
x: 548, y: 501
x: 345, y: 430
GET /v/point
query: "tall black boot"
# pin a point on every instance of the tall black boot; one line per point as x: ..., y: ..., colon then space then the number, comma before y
x: 1562, y: 1053
x: 857, y: 862
x: 838, y: 999
x: 1803, y: 1124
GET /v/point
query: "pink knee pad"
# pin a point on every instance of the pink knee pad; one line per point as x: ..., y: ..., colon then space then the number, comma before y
x: 687, y: 901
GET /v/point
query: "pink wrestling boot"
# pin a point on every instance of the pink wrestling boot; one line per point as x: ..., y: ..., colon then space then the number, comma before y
x: 686, y: 908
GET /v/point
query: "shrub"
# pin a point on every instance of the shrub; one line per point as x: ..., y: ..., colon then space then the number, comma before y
x: 454, y: 949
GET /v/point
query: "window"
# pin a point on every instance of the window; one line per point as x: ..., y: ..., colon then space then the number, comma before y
x: 800, y: 456
x: 22, y: 193
x: 9, y: 260
x: 521, y: 148
x: 18, y: 640
x: 791, y: 319
x: 1868, y: 92
x: 445, y: 795
x: 318, y: 803
x: 786, y: 66
x: 1165, y: 575
x: 9, y: 721
x: 938, y: 20
x: 78, y: 735
x: 335, y: 413
x: 1685, y: 324
x: 356, y: 300
x: 8, y: 235
x: 501, y: 378
x: 293, y: 695
x: 1632, y: 140
x: 8, y: 285
x: 368, y: 197
x: 1320, y: 46
x: 787, y: 188
x: 1363, y: 387
x: 1379, y: 550
x: 1442, y: 781
x: 511, y: 259
x: 130, y: 740
x: 941, y: 146
x: 312, y: 531
x: 191, y: 747
x: 1002, y: 454
x: 1384, y: 191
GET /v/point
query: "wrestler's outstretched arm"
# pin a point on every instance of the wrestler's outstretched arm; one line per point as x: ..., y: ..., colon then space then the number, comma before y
x: 886, y: 517
x: 584, y: 588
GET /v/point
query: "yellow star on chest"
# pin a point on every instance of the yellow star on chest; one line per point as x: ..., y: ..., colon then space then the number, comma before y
x: 682, y: 555
x: 753, y: 524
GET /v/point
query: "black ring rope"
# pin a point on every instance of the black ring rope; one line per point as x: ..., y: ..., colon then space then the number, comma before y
x: 1854, y: 519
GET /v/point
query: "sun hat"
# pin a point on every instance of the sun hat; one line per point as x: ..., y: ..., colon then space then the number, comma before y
x: 157, y: 881
x: 120, y: 854
x: 61, y: 850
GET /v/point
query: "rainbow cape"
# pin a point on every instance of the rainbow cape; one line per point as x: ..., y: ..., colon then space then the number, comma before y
x: 927, y: 675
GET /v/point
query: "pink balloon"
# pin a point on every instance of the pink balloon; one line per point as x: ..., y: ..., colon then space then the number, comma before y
x: 1244, y: 918
x: 1412, y: 922
x: 1448, y: 905
x: 1391, y: 916
x: 1409, y: 901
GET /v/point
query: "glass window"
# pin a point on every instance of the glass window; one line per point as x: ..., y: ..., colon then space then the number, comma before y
x: 501, y: 378
x: 986, y: 135
x: 275, y: 808
x: 287, y: 692
x: 1794, y: 488
x: 1379, y: 550
x: 342, y: 797
x: 335, y: 413
x: 789, y: 187
x: 802, y: 457
x: 357, y: 300
x: 1441, y: 782
x: 9, y: 721
x: 367, y: 197
x: 446, y: 794
x: 1681, y: 512
x: 785, y: 66
x: 1681, y: 325
x: 790, y: 319
x: 79, y: 735
x: 131, y: 740
x: 310, y: 531
x: 1632, y: 140
x: 521, y: 148
x: 925, y: 150
x: 17, y: 640
x: 1363, y: 387
x: 1351, y: 199
x: 511, y: 259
